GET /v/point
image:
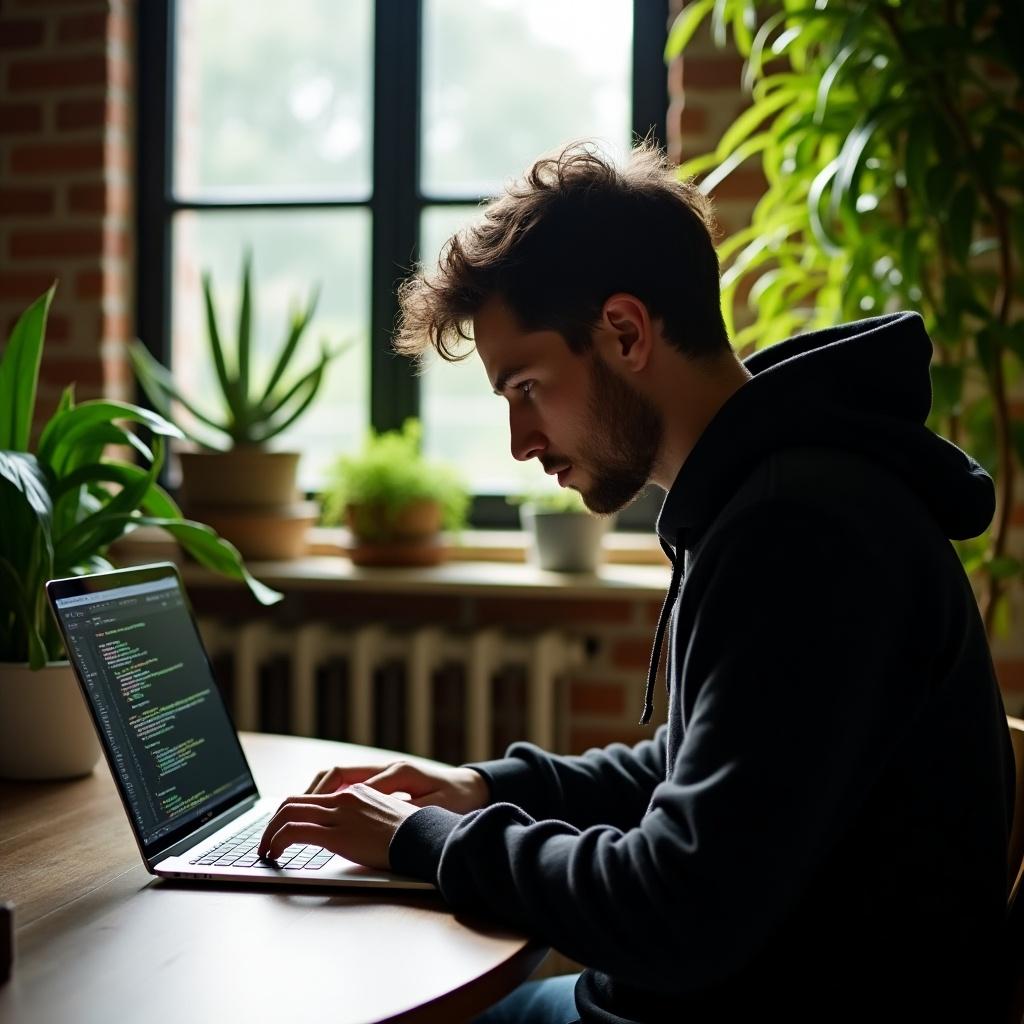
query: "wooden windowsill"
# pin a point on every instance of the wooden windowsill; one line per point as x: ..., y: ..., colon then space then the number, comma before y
x: 489, y: 566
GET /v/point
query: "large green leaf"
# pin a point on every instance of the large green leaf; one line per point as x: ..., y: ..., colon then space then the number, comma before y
x: 22, y: 470
x: 214, y: 552
x: 66, y: 429
x: 19, y: 373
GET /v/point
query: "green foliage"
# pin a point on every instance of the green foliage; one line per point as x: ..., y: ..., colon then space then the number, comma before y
x: 391, y: 472
x: 252, y: 415
x: 891, y: 141
x: 64, y: 504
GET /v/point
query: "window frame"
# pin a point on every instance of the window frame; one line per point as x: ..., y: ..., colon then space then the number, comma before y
x: 395, y: 202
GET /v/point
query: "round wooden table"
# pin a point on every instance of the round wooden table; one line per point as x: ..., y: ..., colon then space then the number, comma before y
x: 99, y: 938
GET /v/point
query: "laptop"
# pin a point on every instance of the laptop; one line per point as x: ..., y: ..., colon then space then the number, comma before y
x: 167, y: 735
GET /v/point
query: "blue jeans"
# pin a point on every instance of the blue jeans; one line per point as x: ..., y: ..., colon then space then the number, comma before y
x: 547, y: 1001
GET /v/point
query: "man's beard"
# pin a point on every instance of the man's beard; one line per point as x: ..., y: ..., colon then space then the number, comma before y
x: 625, y: 432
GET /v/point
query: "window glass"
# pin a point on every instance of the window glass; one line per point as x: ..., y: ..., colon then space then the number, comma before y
x: 293, y: 252
x: 274, y: 104
x: 464, y: 422
x: 505, y: 80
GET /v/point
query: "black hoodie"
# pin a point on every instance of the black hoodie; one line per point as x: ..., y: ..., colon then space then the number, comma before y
x: 819, y: 830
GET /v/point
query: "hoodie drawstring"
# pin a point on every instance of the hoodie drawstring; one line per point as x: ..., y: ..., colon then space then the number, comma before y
x: 659, y: 633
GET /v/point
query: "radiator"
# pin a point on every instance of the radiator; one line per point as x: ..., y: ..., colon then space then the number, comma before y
x: 432, y: 692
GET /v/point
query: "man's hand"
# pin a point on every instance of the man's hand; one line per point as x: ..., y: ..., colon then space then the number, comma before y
x: 456, y: 789
x: 355, y: 811
x: 357, y: 822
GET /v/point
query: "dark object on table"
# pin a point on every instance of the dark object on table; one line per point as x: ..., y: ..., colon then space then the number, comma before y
x: 6, y: 941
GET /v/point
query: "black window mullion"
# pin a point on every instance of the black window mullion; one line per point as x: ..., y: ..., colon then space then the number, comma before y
x: 650, y: 80
x: 154, y: 149
x: 394, y: 389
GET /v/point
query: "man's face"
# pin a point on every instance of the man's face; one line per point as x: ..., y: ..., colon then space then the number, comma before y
x: 574, y: 414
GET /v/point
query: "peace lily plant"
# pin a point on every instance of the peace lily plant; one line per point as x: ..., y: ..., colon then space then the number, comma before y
x: 63, y: 504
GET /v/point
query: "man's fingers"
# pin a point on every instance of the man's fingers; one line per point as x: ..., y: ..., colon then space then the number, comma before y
x: 344, y: 775
x: 316, y: 781
x: 290, y: 813
x: 296, y: 832
x: 400, y: 776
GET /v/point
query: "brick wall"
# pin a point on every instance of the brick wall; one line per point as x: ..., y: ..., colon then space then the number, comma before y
x: 66, y: 185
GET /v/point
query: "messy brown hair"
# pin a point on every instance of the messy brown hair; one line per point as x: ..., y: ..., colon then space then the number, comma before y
x: 575, y: 230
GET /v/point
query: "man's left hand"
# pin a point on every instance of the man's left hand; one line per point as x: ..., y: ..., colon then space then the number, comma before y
x: 357, y: 822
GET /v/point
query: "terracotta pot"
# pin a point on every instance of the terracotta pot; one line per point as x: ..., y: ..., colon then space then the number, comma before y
x: 248, y: 477
x: 564, y: 541
x: 264, y: 533
x: 46, y: 731
x: 411, y: 537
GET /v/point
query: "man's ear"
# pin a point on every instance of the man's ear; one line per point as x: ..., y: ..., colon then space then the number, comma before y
x: 628, y: 334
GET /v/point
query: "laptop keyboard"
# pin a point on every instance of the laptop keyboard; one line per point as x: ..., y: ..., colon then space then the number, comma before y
x: 240, y: 851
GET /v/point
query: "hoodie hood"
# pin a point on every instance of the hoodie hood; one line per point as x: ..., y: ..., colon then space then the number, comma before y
x: 862, y: 386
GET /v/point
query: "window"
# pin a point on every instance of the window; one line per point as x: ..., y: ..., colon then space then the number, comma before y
x: 341, y: 140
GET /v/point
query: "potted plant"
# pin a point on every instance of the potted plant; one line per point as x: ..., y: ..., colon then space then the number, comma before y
x: 564, y: 535
x: 394, y: 501
x: 61, y: 506
x: 891, y: 145
x: 234, y: 481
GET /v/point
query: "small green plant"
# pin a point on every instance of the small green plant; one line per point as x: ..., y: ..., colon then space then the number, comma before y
x: 64, y: 504
x: 252, y: 416
x: 391, y: 473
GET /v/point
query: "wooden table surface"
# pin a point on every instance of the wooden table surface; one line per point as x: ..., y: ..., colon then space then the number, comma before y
x: 99, y: 938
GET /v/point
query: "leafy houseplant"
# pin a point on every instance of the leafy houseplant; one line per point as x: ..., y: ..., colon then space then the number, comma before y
x: 61, y: 506
x: 564, y: 535
x: 394, y: 500
x: 235, y: 482
x: 891, y: 137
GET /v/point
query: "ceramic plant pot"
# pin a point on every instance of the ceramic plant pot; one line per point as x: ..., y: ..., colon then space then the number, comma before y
x: 564, y: 541
x: 249, y: 496
x: 46, y: 731
x: 410, y: 537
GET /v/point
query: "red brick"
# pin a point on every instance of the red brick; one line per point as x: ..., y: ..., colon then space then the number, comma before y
x: 115, y: 326
x: 25, y: 201
x: 715, y: 72
x: 20, y: 118
x: 58, y: 327
x: 582, y: 738
x: 61, y: 372
x: 1010, y: 672
x: 743, y: 183
x: 58, y: 157
x: 25, y: 285
x: 90, y: 26
x: 691, y: 121
x: 545, y: 611
x: 1017, y: 515
x: 57, y: 73
x: 76, y: 114
x: 98, y: 197
x: 632, y: 652
x: 56, y: 243
x: 117, y: 241
x: 591, y: 698
x: 21, y: 33
x: 90, y: 284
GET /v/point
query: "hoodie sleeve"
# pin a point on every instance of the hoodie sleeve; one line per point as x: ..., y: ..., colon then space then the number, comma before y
x: 786, y: 655
x: 608, y: 786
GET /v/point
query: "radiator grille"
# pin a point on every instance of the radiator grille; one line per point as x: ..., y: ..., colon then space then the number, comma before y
x: 437, y: 693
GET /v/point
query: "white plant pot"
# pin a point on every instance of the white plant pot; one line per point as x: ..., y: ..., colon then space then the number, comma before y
x: 46, y: 731
x: 565, y: 541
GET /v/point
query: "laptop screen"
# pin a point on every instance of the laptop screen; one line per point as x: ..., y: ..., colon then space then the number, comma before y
x: 169, y: 737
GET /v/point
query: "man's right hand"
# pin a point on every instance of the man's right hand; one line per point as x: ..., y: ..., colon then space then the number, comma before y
x: 457, y: 789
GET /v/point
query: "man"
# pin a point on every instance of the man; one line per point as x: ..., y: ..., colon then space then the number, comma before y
x: 819, y: 830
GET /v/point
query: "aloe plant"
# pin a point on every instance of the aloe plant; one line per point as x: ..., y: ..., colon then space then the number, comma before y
x: 64, y: 504
x: 891, y: 138
x: 251, y: 415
